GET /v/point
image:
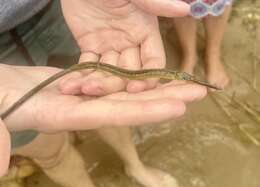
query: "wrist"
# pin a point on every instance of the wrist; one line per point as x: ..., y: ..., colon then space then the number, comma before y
x: 13, y: 80
x: 5, y: 149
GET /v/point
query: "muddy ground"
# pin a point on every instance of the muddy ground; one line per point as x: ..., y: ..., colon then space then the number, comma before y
x: 216, y: 144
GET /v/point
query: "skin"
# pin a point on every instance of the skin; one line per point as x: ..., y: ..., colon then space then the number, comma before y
x: 119, y: 32
x: 214, y: 29
x: 5, y: 148
x: 108, y: 31
x: 97, y: 66
x: 50, y: 107
x: 122, y: 33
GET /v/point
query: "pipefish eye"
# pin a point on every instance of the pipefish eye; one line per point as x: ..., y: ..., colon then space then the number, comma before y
x: 186, y: 76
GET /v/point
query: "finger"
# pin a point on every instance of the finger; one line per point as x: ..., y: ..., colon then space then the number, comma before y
x: 89, y: 56
x: 71, y: 84
x: 5, y: 149
x: 103, y: 86
x: 104, y: 112
x: 153, y: 55
x: 100, y: 83
x: 184, y: 92
x: 130, y: 59
x: 166, y: 8
x: 109, y: 57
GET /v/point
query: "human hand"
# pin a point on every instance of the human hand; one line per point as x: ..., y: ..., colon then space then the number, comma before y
x: 119, y: 32
x: 51, y: 111
x: 5, y: 149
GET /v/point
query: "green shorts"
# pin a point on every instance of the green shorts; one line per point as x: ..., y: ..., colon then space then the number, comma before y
x: 43, y: 36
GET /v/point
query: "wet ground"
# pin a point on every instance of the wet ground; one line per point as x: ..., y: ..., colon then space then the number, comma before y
x: 216, y: 144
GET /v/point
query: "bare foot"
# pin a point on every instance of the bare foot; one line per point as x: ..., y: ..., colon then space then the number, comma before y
x: 188, y: 64
x: 216, y: 74
x: 151, y: 177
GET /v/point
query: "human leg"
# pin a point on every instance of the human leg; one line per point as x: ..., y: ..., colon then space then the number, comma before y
x: 56, y: 156
x: 121, y: 141
x: 215, y: 28
x: 186, y: 31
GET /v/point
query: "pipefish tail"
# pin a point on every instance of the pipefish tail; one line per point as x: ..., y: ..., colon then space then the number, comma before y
x: 124, y: 73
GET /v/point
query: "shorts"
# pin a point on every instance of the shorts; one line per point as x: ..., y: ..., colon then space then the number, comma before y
x: 202, y: 8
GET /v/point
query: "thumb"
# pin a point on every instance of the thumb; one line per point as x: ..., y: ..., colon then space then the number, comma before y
x: 5, y: 149
x: 165, y: 8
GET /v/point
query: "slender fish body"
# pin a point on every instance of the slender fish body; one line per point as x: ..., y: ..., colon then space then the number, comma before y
x: 124, y: 73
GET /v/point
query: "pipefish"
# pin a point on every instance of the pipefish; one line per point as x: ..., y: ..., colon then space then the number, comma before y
x: 120, y: 72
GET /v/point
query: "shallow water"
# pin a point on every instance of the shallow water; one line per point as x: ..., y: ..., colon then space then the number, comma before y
x: 205, y: 148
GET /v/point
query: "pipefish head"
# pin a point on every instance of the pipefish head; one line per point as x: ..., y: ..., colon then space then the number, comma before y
x: 187, y: 77
x: 181, y: 75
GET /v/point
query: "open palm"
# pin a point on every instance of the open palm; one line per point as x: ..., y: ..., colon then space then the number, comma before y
x: 51, y: 111
x: 119, y: 32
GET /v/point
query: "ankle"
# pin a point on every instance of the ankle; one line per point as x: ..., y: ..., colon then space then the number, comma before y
x: 189, y: 56
x: 212, y: 54
x: 131, y: 169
